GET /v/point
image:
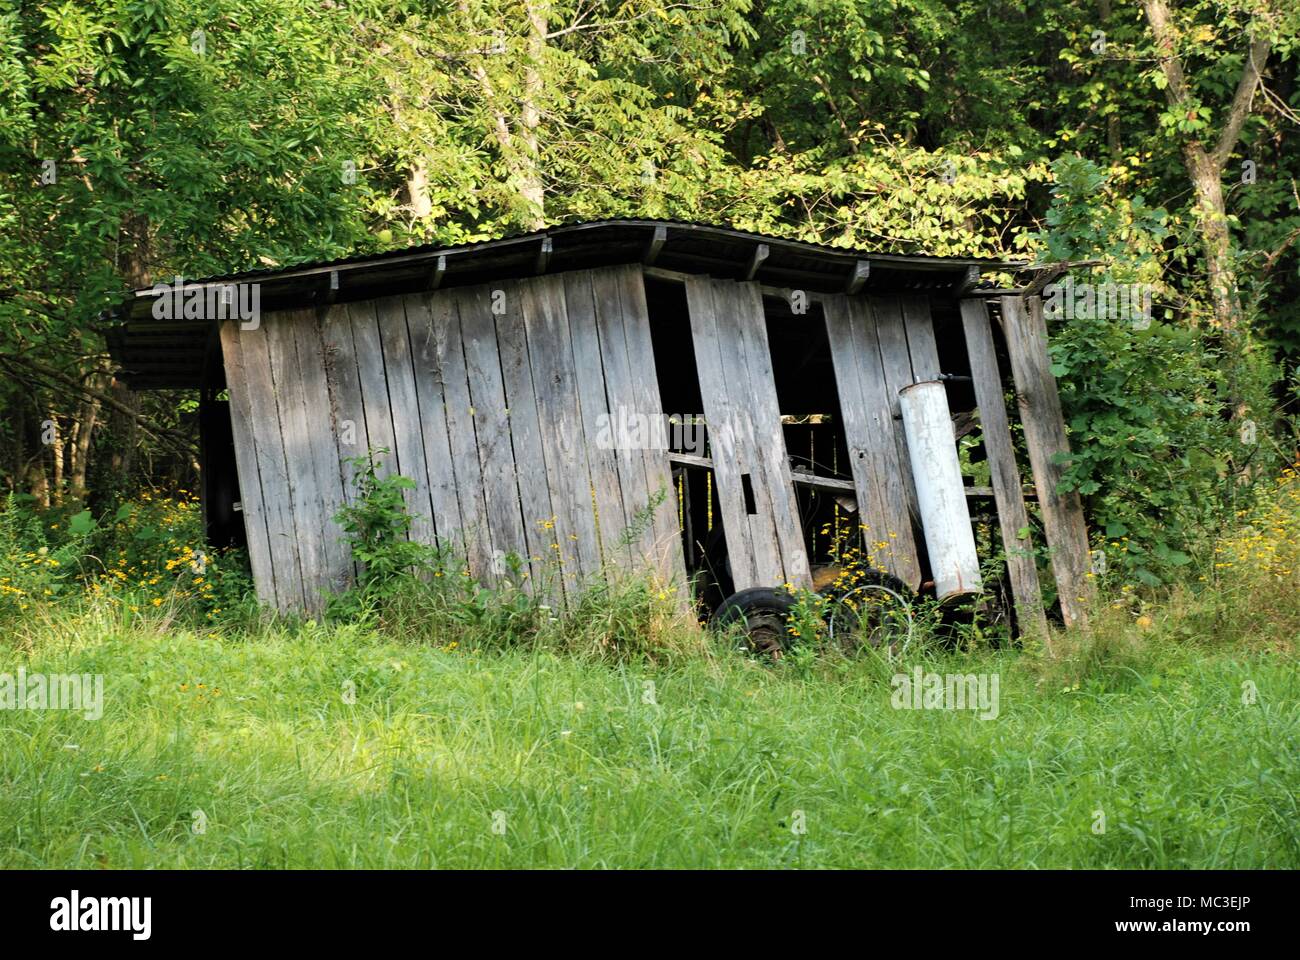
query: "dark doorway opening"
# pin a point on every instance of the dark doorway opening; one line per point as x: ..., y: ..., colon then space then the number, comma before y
x: 219, y: 478
x: 811, y: 423
x: 704, y: 541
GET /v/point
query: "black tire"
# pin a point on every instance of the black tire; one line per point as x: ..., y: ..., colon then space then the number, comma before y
x: 764, y: 613
x: 846, y: 625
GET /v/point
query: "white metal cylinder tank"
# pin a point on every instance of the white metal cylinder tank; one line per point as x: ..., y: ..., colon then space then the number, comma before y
x: 940, y: 493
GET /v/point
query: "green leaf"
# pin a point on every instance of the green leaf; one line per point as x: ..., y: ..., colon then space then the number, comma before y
x: 81, y: 524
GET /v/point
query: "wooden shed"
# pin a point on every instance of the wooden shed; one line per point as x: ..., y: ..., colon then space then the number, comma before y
x: 632, y: 394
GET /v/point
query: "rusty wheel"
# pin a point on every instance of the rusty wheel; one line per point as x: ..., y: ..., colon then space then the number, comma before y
x: 764, y: 614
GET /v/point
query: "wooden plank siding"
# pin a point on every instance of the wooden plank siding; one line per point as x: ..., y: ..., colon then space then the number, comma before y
x: 879, y: 461
x: 429, y: 395
x: 246, y: 463
x: 264, y: 418
x: 404, y: 409
x: 490, y: 416
x: 597, y: 420
x: 550, y: 354
x: 529, y: 463
x: 755, y: 493
x: 374, y: 385
x: 464, y: 465
x: 1047, y: 443
x: 995, y: 432
x: 620, y: 356
x: 343, y: 383
x: 313, y: 476
x: 496, y: 400
x: 664, y: 553
x: 921, y: 347
x: 896, y: 366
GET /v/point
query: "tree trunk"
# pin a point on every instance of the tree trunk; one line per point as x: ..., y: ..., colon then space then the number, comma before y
x: 32, y: 454
x: 417, y: 190
x: 56, y: 457
x: 520, y: 150
x: 531, y: 187
x: 1204, y: 164
x: 79, y: 454
x: 1216, y: 242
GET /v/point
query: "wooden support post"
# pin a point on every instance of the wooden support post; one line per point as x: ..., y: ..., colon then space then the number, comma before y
x: 969, y: 278
x: 544, y: 255
x: 861, y: 270
x: 655, y: 245
x: 436, y: 274
x: 1044, y: 426
x: 996, y: 434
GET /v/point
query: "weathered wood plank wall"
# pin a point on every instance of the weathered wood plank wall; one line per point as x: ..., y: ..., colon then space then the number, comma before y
x: 1048, y: 446
x: 496, y: 400
x: 760, y: 518
x: 878, y: 346
x: 995, y: 431
x: 255, y: 510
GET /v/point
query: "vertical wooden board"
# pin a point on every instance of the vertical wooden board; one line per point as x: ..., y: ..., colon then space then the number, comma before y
x: 896, y: 367
x: 771, y: 451
x: 732, y: 316
x: 725, y: 434
x: 408, y: 432
x: 863, y: 430
x: 305, y: 499
x: 869, y: 431
x: 551, y: 357
x: 374, y: 385
x: 264, y: 414
x: 665, y: 530
x: 461, y: 437
x: 624, y: 399
x: 599, y: 428
x: 1045, y: 438
x: 250, y: 480
x: 896, y: 362
x: 996, y: 434
x: 347, y: 411
x: 338, y: 572
x: 438, y: 461
x: 526, y: 441
x: 491, y: 426
x: 919, y: 325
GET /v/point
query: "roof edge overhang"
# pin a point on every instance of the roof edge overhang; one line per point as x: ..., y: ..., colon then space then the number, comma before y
x: 163, y: 354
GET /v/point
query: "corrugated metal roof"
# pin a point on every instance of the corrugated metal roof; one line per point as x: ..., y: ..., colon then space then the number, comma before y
x: 428, y: 250
x: 170, y: 354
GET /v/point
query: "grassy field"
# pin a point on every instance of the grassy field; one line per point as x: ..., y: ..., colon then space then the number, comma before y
x: 244, y: 751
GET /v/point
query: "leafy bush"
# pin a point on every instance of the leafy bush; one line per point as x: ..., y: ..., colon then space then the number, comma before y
x: 376, y: 527
x: 149, y: 553
x: 37, y: 564
x: 1152, y: 452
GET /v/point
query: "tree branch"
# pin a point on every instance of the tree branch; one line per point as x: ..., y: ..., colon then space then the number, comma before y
x: 1256, y: 57
x: 1176, y: 90
x: 161, y: 434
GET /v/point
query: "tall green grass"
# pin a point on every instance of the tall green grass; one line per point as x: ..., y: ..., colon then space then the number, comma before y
x: 533, y: 756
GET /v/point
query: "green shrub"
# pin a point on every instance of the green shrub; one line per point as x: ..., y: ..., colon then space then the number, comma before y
x: 1152, y: 453
x: 149, y: 553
